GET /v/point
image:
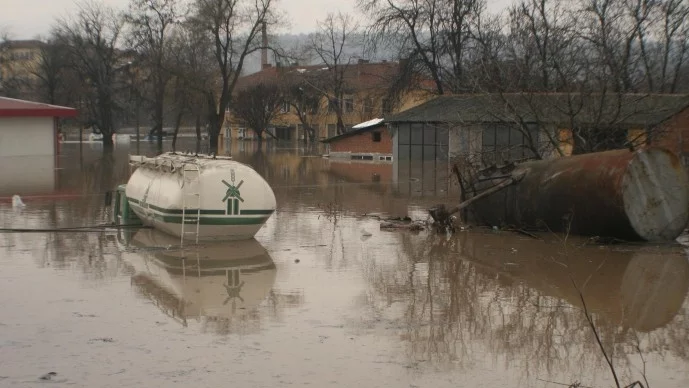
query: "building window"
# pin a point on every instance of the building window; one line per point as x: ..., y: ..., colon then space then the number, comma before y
x: 368, y: 106
x: 332, y: 105
x: 505, y: 142
x: 416, y: 143
x: 376, y: 137
x: 385, y: 108
x: 349, y: 105
x: 284, y: 107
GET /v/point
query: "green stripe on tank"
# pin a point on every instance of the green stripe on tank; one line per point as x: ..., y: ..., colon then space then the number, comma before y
x: 193, y: 212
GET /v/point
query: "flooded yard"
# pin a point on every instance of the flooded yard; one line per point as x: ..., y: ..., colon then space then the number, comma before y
x: 322, y: 297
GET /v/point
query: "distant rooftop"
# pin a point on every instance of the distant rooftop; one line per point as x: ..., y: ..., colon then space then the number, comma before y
x: 357, y: 129
x: 595, y: 108
x: 22, y: 44
x: 369, y: 123
x: 359, y: 75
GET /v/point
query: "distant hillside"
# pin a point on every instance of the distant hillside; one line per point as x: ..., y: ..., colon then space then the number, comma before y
x: 295, y: 44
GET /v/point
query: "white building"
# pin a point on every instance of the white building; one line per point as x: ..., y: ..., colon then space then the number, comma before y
x: 28, y: 146
x: 29, y: 128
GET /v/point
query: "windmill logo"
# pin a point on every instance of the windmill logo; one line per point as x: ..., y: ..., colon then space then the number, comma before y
x: 232, y: 196
x: 233, y: 288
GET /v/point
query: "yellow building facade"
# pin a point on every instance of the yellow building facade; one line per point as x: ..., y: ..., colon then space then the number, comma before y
x: 367, y: 97
x: 18, y: 62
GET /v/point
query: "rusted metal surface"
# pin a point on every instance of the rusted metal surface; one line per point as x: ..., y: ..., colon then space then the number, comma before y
x: 584, y: 194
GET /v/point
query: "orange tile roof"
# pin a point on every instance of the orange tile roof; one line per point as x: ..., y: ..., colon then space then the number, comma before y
x: 360, y: 76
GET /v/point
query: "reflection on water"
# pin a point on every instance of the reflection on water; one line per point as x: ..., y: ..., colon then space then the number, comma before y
x: 518, y: 299
x: 322, y: 291
x: 219, y: 283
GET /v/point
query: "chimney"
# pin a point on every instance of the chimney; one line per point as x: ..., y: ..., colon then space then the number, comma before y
x: 264, y: 49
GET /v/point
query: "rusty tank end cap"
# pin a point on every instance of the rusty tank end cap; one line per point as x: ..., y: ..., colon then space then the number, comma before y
x: 655, y: 194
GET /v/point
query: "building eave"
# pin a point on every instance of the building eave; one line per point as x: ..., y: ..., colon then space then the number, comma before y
x: 62, y: 113
x: 352, y: 133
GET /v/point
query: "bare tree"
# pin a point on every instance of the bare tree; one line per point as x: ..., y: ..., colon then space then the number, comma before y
x: 12, y: 84
x: 233, y: 29
x: 192, y: 68
x: 150, y: 24
x: 540, y: 38
x: 50, y: 72
x: 257, y: 106
x: 674, y: 40
x: 306, y: 102
x: 91, y: 39
x: 328, y: 44
x: 439, y: 34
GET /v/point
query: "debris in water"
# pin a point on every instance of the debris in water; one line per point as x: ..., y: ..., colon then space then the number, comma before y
x: 17, y: 201
x: 102, y: 339
x: 412, y: 226
x: 48, y: 376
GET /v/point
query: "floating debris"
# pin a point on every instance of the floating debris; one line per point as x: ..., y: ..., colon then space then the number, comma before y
x: 17, y: 202
x: 48, y: 376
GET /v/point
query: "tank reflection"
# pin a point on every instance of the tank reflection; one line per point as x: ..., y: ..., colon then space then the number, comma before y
x: 216, y: 283
x: 637, y: 287
x: 517, y: 299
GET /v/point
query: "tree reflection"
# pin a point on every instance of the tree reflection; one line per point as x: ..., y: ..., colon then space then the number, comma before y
x: 484, y: 297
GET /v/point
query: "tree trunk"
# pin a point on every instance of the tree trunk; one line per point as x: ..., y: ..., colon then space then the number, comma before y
x: 158, y: 122
x: 108, y: 144
x: 213, y: 142
x: 340, y: 124
x: 178, y: 122
x: 309, y: 134
x: 214, y: 126
x: 158, y: 131
x: 198, y: 133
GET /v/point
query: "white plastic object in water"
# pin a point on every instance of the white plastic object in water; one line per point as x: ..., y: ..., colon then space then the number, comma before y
x: 17, y: 201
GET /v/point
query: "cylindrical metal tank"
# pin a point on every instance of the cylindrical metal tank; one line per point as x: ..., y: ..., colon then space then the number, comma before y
x: 631, y: 195
x: 172, y: 192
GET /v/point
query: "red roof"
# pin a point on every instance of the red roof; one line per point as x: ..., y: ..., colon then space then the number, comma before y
x: 361, y: 76
x: 10, y: 107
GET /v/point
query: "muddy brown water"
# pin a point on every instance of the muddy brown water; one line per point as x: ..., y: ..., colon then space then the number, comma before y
x: 322, y: 297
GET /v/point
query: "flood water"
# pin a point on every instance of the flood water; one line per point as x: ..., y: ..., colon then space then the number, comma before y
x: 322, y: 297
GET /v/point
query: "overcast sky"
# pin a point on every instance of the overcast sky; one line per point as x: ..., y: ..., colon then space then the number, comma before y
x: 26, y: 19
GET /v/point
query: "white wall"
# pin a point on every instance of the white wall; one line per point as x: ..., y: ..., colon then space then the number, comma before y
x: 27, y: 175
x: 25, y: 136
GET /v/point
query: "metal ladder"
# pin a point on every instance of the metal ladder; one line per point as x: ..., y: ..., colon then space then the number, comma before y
x: 193, y: 170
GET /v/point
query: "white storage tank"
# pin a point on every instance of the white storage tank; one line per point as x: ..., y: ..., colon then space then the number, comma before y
x: 199, y: 197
